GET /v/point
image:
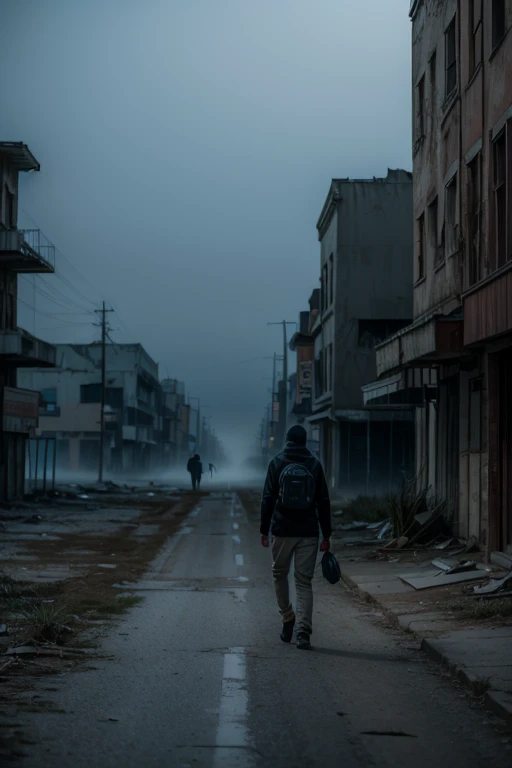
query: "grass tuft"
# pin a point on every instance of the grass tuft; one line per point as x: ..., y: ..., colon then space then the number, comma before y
x: 482, y: 609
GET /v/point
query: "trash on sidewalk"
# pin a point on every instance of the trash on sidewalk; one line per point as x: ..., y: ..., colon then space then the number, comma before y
x: 450, y: 565
x: 493, y: 586
x: 442, y: 579
x: 385, y: 528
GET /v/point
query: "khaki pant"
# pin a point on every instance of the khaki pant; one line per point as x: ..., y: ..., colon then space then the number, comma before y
x: 305, y: 552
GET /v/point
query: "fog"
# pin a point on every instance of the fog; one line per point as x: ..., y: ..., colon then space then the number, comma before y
x: 186, y: 149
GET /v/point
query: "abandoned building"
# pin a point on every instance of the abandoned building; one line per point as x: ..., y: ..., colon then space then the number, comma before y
x: 461, y: 333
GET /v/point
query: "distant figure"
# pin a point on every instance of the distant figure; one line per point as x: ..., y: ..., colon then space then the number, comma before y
x: 195, y: 468
x: 212, y: 469
x: 295, y: 501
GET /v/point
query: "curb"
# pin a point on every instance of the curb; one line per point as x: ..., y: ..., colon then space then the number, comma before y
x: 499, y: 702
x: 495, y: 700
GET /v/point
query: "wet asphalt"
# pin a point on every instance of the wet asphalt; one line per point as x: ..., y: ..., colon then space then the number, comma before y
x: 198, y: 676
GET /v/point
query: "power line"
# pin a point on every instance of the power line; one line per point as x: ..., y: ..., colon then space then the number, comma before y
x: 48, y: 296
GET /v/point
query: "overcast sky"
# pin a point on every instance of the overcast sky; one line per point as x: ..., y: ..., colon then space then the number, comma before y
x: 186, y: 149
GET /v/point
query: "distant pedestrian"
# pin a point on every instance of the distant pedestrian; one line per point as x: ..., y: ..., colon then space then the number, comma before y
x: 195, y: 468
x: 212, y: 469
x: 295, y: 500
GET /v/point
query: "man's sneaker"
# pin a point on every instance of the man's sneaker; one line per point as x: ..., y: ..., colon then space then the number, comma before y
x: 303, y: 641
x: 287, y: 633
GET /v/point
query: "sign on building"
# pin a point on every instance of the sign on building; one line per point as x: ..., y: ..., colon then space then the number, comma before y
x: 20, y: 410
x: 305, y: 380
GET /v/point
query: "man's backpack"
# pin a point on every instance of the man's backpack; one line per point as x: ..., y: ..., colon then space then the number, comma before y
x: 297, y: 487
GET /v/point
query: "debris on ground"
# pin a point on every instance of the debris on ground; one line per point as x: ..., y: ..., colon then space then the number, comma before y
x: 493, y: 585
x: 429, y: 580
x: 450, y: 565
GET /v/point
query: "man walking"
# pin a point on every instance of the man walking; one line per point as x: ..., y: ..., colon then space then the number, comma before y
x: 295, y: 500
x: 195, y: 468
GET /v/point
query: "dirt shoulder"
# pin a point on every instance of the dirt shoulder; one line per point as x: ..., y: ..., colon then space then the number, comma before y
x: 56, y: 588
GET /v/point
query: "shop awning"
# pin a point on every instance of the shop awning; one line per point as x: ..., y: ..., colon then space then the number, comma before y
x: 428, y: 341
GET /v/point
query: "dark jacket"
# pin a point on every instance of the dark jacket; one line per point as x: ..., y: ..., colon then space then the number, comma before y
x: 195, y: 467
x: 291, y: 522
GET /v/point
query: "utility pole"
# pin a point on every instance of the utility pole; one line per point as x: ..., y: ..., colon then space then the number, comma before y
x: 284, y: 323
x: 103, y: 324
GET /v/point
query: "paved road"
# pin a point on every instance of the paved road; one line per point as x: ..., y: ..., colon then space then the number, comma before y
x: 200, y: 677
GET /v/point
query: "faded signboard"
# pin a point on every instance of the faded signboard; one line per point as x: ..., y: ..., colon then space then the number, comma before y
x: 20, y: 410
x: 305, y: 380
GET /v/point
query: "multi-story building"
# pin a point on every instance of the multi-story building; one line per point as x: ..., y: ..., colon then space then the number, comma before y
x: 70, y: 407
x: 21, y: 252
x: 175, y: 415
x: 365, y: 232
x: 462, y: 329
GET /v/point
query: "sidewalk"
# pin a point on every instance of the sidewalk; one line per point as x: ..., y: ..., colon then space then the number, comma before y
x: 479, y: 657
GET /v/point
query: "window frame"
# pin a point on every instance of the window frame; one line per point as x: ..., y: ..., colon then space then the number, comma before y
x: 498, y: 13
x: 433, y: 241
x: 451, y: 241
x: 474, y: 254
x: 475, y: 29
x: 500, y: 187
x: 420, y: 247
x: 450, y: 65
x: 420, y: 109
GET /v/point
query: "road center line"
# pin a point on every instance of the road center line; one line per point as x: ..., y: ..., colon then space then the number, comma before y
x: 232, y: 733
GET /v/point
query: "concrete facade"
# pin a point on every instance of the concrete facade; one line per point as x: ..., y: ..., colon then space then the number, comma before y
x: 462, y: 56
x: 71, y: 395
x: 366, y: 240
x: 20, y: 252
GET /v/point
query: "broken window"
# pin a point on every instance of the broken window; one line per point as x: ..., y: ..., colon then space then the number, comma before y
x: 451, y: 58
x: 500, y: 197
x: 474, y: 218
x: 420, y: 109
x: 433, y: 239
x: 498, y: 22
x: 475, y: 35
x: 450, y: 217
x: 420, y: 246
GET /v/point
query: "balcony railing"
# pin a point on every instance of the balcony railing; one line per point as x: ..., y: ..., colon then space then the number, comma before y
x: 26, y: 250
x: 34, y: 240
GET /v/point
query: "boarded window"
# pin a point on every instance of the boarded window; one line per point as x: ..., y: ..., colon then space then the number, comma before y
x: 498, y: 22
x: 450, y: 217
x: 474, y: 218
x: 451, y: 58
x: 475, y: 35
